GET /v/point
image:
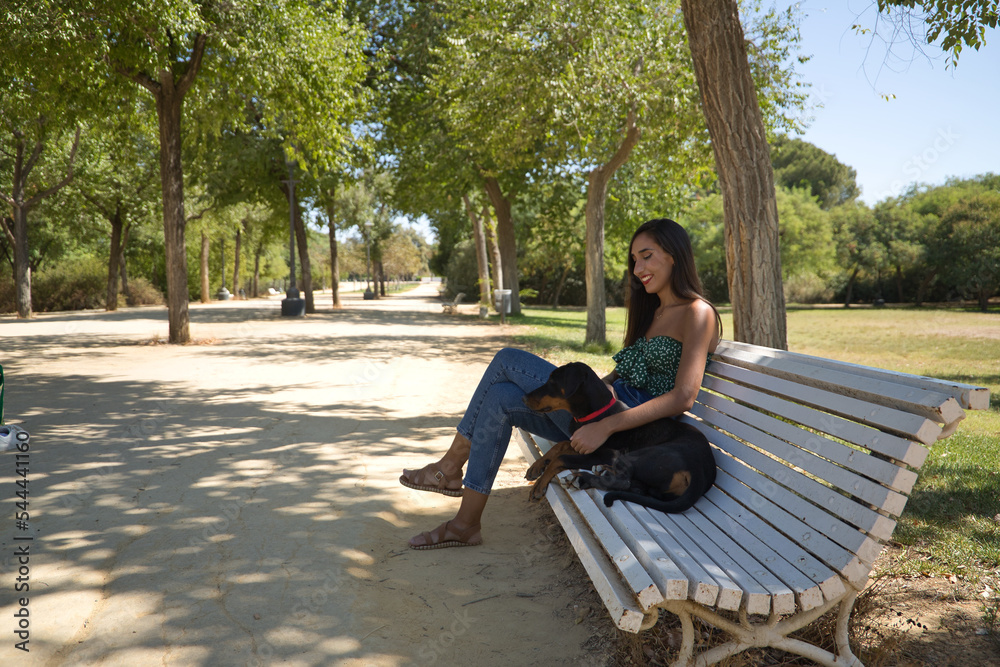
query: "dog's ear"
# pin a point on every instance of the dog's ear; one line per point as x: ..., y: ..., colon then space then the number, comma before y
x: 575, y: 375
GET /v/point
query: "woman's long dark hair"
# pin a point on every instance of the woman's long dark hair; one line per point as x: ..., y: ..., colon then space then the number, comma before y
x: 640, y: 306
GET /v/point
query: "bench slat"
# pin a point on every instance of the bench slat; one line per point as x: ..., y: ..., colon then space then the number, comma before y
x: 673, y: 582
x: 842, y: 560
x: 801, y: 456
x: 730, y: 593
x: 833, y: 511
x: 704, y: 589
x: 969, y: 396
x: 894, y: 476
x: 619, y: 601
x: 810, y: 579
x: 758, y: 583
x: 646, y: 592
x: 908, y: 425
x: 940, y: 407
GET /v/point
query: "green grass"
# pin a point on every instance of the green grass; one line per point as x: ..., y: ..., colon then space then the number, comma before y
x: 952, y: 521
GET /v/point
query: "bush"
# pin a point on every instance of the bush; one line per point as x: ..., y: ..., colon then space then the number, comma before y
x: 70, y: 285
x: 141, y: 292
x: 807, y: 288
x: 8, y: 295
x: 462, y: 272
x: 76, y: 285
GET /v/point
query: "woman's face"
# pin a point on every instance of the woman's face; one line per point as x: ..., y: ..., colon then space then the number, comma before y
x: 653, y: 265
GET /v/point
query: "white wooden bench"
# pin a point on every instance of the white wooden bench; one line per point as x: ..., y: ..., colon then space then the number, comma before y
x: 816, y: 459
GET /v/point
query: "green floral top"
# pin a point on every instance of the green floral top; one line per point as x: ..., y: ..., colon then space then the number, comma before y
x: 650, y: 364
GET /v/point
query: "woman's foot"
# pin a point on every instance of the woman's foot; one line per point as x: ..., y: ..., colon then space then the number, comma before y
x: 432, y: 478
x: 448, y: 534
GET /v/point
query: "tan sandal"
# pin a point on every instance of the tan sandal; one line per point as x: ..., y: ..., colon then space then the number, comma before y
x: 435, y: 539
x: 438, y: 481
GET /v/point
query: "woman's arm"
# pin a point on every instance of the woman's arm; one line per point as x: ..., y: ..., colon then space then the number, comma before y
x: 700, y: 334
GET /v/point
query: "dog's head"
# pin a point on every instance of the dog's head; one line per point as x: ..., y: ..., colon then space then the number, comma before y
x: 574, y: 387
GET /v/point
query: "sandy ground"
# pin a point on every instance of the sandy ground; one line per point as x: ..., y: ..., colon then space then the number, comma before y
x: 235, y: 501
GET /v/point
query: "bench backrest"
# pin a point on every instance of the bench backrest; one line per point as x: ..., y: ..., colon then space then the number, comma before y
x: 835, y: 447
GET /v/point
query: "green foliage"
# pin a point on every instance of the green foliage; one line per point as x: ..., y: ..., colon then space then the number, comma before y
x: 70, y: 285
x: 808, y: 255
x: 704, y: 224
x: 806, y: 236
x: 461, y: 274
x: 957, y: 23
x: 971, y: 231
x: 800, y: 164
x: 141, y: 292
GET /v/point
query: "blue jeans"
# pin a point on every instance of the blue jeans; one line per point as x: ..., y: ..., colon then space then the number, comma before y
x: 497, y: 407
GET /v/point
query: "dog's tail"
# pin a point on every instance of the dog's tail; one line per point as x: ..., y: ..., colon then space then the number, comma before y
x: 680, y: 504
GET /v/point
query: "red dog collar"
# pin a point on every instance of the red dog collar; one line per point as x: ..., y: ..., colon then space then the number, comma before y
x: 598, y: 413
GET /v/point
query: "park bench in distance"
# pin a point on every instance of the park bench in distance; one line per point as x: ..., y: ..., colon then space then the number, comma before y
x: 816, y: 459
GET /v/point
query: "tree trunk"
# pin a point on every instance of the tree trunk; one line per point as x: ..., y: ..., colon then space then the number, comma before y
x: 482, y: 263
x: 597, y: 193
x: 489, y: 229
x: 169, y: 95
x: 924, y: 285
x: 506, y: 242
x: 123, y: 268
x: 743, y: 163
x: 850, y: 288
x: 899, y: 284
x: 168, y: 106
x: 256, y: 269
x: 301, y: 240
x: 22, y: 266
x: 236, y: 262
x: 331, y: 211
x: 114, y: 256
x: 560, y: 284
x: 381, y: 275
x: 205, y: 281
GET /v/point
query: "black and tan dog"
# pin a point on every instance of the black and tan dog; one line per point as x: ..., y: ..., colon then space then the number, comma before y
x: 664, y: 465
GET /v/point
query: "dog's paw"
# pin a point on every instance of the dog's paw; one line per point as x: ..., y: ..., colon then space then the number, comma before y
x: 570, y: 480
x: 536, y: 469
x: 586, y: 480
x: 538, y: 490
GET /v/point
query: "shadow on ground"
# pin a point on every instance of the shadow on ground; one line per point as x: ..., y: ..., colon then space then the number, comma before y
x: 218, y: 522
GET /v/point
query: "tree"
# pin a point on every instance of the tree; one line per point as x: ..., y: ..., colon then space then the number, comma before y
x: 34, y: 122
x: 971, y: 232
x: 854, y: 231
x: 297, y: 59
x: 743, y: 162
x: 800, y: 164
x: 116, y: 178
x: 575, y: 94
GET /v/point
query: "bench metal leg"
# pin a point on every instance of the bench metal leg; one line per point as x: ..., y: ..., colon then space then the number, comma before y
x: 772, y: 633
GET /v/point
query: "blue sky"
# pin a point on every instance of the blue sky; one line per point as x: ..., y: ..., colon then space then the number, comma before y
x: 941, y: 122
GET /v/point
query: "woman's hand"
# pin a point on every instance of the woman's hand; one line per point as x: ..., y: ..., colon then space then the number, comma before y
x: 589, y: 437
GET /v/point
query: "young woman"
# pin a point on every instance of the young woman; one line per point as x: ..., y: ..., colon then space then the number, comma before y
x: 670, y: 330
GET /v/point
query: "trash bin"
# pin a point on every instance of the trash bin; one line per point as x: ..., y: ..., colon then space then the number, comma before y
x: 501, y: 297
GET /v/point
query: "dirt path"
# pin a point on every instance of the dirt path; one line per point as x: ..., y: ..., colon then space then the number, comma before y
x: 235, y: 502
